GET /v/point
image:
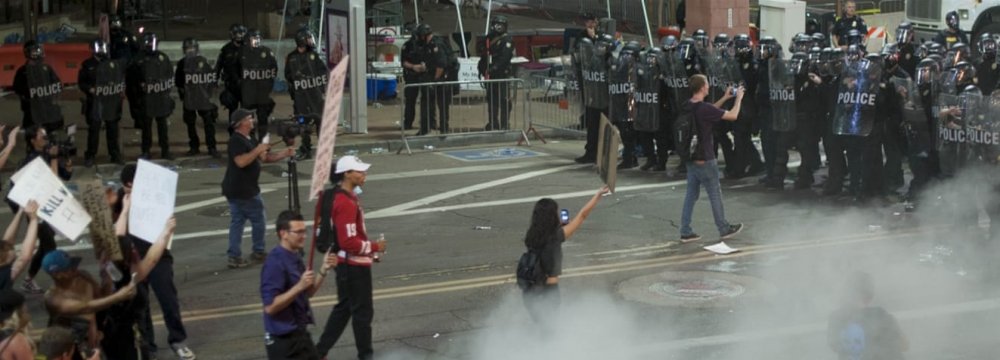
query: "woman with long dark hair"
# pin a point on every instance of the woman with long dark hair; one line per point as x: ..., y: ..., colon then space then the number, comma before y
x: 545, y: 236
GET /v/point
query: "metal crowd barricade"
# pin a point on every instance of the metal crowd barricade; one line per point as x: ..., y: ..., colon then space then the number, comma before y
x: 553, y: 105
x: 468, y: 110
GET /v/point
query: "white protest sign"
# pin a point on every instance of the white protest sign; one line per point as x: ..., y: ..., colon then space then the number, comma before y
x: 57, y: 207
x: 328, y: 131
x: 154, y: 191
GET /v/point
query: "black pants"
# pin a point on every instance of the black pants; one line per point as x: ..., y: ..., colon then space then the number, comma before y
x: 807, y: 132
x: 161, y: 280
x: 628, y: 142
x: 230, y: 98
x: 498, y: 96
x: 410, y: 95
x: 656, y: 154
x: 442, y: 99
x: 592, y: 118
x: 835, y: 147
x: 542, y: 303
x: 768, y: 140
x: 46, y: 243
x: 94, y: 138
x: 873, y: 176
x: 306, y: 146
x: 354, y: 294
x: 191, y: 120
x: 893, y: 141
x: 747, y: 158
x: 723, y: 141
x: 162, y: 134
x: 784, y: 142
x: 297, y: 345
x: 427, y: 104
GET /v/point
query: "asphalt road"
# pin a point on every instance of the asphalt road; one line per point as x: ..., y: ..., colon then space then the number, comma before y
x: 630, y: 289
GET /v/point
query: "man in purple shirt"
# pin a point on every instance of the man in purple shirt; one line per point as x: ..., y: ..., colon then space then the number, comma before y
x: 285, y: 288
x: 704, y: 170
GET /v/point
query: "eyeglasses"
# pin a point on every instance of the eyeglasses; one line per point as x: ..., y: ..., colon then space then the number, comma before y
x: 299, y: 232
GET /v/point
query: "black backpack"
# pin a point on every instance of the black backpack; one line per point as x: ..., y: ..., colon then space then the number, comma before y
x: 686, y: 134
x: 529, y: 270
x: 326, y: 237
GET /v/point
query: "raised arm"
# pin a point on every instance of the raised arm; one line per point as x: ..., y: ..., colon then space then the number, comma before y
x: 30, y: 238
x: 67, y: 306
x: 9, y: 148
x: 121, y: 224
x: 155, y: 252
x: 15, y: 224
x: 574, y: 224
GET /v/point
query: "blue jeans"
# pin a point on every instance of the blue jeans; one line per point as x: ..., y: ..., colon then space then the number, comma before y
x: 706, y: 175
x: 242, y: 210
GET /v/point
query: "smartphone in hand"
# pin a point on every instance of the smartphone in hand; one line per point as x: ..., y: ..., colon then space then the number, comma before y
x: 564, y: 216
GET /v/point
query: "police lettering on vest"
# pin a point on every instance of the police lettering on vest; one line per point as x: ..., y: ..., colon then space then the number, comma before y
x: 855, y: 98
x: 647, y: 98
x: 44, y: 91
x: 260, y: 74
x: 306, y: 84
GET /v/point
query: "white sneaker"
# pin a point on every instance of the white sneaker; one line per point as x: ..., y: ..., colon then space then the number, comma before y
x: 29, y: 286
x: 182, y: 351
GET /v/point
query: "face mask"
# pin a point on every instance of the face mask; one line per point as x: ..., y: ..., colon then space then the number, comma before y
x: 357, y: 190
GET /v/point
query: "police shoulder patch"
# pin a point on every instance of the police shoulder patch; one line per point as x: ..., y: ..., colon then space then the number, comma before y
x: 263, y: 55
x: 160, y: 57
x: 312, y: 56
x: 508, y: 44
x: 201, y: 64
x: 112, y: 64
x: 994, y: 66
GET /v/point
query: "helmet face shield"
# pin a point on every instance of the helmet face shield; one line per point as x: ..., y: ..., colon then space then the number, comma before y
x: 99, y: 48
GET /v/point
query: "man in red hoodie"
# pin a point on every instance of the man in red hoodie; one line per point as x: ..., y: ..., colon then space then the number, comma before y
x: 356, y: 255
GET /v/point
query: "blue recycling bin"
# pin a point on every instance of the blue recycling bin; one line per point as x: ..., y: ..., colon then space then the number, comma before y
x: 381, y: 87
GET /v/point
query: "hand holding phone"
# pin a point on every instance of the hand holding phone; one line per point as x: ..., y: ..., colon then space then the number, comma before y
x: 564, y: 216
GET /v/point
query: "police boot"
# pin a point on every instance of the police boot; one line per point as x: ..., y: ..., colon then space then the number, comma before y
x: 650, y: 163
x: 628, y: 162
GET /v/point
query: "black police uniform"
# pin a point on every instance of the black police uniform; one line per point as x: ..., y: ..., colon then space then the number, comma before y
x: 846, y: 24
x: 103, y: 83
x: 307, y: 76
x: 834, y: 146
x: 947, y: 38
x: 411, y: 53
x: 123, y: 47
x: 196, y: 81
x: 437, y: 57
x: 987, y: 72
x: 810, y: 109
x: 496, y: 62
x: 38, y: 88
x: 227, y: 66
x: 258, y: 69
x: 893, y: 137
x: 768, y: 139
x: 908, y: 58
x: 747, y: 160
x: 152, y: 75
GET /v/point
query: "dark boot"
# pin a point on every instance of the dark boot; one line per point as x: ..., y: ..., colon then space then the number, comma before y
x: 628, y: 162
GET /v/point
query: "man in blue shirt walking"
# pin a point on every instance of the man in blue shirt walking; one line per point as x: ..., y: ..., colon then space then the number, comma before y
x: 285, y: 288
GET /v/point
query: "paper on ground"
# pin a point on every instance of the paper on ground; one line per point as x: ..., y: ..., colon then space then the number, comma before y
x: 721, y: 248
x: 153, y: 196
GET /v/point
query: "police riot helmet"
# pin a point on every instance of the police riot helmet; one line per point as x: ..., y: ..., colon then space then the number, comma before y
x: 150, y: 42
x: 422, y: 31
x: 99, y: 48
x: 819, y: 40
x: 743, y: 46
x: 928, y: 71
x: 904, y: 33
x: 824, y: 64
x: 721, y: 41
x: 959, y: 52
x: 304, y: 38
x: 964, y: 74
x: 237, y: 32
x: 588, y: 16
x: 632, y: 47
x: 115, y: 22
x: 603, y: 44
x: 855, y: 52
x: 952, y: 20
x: 800, y: 43
x: 33, y: 50
x: 190, y: 46
x: 700, y: 37
x: 890, y: 55
x: 652, y: 56
x: 254, y: 38
x: 854, y: 37
x: 669, y: 43
x: 769, y: 48
x: 869, y: 61
x: 815, y: 53
x: 688, y: 49
x: 812, y: 24
x: 799, y: 63
x: 987, y: 46
x: 837, y: 61
x: 499, y: 24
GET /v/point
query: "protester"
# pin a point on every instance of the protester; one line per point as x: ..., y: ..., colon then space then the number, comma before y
x: 355, y: 255
x: 285, y: 288
x: 859, y: 330
x: 546, y: 233
x: 58, y: 344
x: 241, y: 185
x: 13, y: 265
x: 15, y: 326
x: 703, y: 170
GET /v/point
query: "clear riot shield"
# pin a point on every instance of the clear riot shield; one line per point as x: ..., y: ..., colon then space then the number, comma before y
x: 926, y: 86
x: 676, y: 79
x: 595, y: 76
x: 782, y: 94
x: 857, y: 89
x: 990, y: 149
x: 722, y: 72
x: 647, y: 95
x: 959, y: 114
x: 621, y: 83
x: 573, y: 91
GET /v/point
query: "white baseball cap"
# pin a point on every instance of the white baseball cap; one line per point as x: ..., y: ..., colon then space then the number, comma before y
x: 351, y: 163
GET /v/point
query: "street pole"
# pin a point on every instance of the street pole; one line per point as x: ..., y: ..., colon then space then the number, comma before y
x: 489, y: 11
x: 416, y: 12
x: 645, y: 15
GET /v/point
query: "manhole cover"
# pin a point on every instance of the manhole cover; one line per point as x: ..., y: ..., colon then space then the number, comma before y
x: 693, y: 288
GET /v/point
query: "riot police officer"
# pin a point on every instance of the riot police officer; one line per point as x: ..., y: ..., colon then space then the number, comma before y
x: 594, y: 57
x: 908, y: 58
x: 123, y: 43
x: 748, y: 160
x: 307, y: 76
x: 228, y: 68
x: 811, y: 107
x: 621, y: 84
x: 38, y: 87
x: 439, y: 63
x: 770, y: 50
x: 650, y: 124
x: 258, y: 70
x: 494, y: 64
x: 411, y: 60
x: 196, y: 82
x: 102, y: 80
x: 786, y: 95
x: 893, y: 96
x: 152, y: 75
x: 417, y: 66
x: 850, y: 21
x: 952, y: 34
x: 986, y: 68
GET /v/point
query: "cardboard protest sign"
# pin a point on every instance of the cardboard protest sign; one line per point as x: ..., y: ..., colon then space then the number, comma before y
x: 154, y: 192
x: 102, y: 228
x: 607, y: 153
x: 328, y: 131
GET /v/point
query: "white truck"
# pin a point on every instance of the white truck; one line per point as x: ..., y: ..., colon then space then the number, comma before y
x: 976, y: 17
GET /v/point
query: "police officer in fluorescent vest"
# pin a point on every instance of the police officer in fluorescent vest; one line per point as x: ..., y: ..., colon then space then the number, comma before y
x: 196, y: 81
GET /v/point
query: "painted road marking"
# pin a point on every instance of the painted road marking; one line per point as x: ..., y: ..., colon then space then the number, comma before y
x: 494, y: 154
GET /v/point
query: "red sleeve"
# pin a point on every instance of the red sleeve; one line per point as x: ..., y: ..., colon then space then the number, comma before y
x: 350, y: 227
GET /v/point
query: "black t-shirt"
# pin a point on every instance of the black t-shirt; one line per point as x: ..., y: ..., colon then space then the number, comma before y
x: 706, y: 115
x: 865, y: 333
x: 551, y: 254
x: 241, y: 183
